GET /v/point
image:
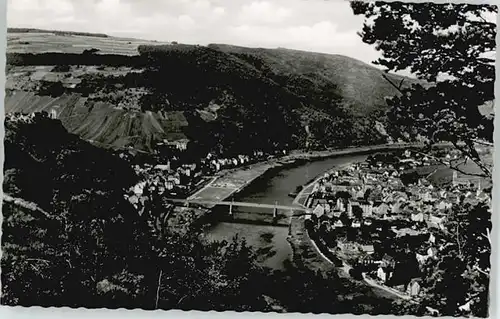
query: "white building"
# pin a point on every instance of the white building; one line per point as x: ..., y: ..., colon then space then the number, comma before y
x: 349, y: 209
x: 319, y: 210
x: 381, y: 274
x: 367, y: 209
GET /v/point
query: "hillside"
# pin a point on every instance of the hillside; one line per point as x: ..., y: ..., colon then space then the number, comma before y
x: 222, y: 98
x: 69, y: 237
x: 102, y: 124
x: 40, y: 152
x: 360, y: 85
x: 66, y: 226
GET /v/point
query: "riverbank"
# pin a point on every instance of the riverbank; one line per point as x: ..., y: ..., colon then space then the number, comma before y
x: 303, y: 195
x: 226, y: 183
x: 305, y: 250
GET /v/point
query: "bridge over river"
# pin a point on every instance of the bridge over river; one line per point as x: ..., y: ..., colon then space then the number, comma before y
x: 263, y: 208
x: 236, y: 204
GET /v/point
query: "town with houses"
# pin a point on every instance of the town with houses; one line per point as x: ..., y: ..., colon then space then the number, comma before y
x: 378, y: 221
x: 386, y: 231
x: 177, y: 180
x: 384, y: 227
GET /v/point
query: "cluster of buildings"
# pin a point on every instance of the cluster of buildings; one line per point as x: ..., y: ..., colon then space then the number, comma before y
x: 178, y: 180
x: 371, y: 198
x: 216, y: 164
x: 26, y: 117
x: 162, y: 180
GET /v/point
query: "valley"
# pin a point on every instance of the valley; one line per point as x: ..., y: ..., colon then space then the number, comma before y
x: 198, y: 177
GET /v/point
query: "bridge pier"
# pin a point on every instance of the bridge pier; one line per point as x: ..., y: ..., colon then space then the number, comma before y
x: 231, y: 209
x: 275, y: 213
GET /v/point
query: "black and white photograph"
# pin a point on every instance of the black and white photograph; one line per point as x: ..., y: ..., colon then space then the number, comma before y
x: 284, y: 156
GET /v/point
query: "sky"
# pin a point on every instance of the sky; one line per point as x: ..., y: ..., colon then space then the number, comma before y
x: 327, y: 26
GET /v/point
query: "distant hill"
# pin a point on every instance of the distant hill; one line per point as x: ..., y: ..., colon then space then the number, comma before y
x: 222, y: 98
x: 63, y: 33
x: 38, y: 41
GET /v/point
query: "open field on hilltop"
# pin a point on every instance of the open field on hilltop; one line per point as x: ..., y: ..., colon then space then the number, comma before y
x: 50, y: 42
x: 27, y: 102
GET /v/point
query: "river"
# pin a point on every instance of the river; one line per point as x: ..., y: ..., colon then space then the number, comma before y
x: 274, y: 186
